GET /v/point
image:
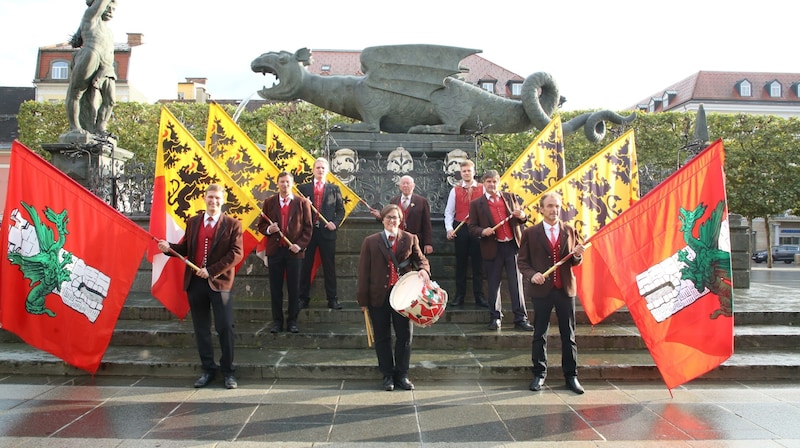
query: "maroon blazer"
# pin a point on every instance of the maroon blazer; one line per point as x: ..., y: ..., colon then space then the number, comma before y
x: 536, y: 255
x: 480, y: 217
x: 374, y: 265
x: 299, y: 226
x: 223, y: 255
x: 417, y: 218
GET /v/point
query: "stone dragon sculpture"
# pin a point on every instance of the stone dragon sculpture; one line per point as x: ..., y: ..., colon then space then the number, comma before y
x: 412, y: 89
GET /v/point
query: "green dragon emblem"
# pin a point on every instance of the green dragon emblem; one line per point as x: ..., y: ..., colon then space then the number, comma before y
x: 44, y: 269
x: 711, y: 266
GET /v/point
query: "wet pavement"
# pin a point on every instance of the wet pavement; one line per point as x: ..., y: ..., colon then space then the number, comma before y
x: 148, y: 412
x: 85, y: 412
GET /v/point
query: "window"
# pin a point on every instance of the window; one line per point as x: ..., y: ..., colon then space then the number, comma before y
x: 775, y: 89
x: 665, y: 101
x: 487, y: 86
x: 59, y: 70
x: 745, y: 88
x: 326, y: 68
x: 516, y: 89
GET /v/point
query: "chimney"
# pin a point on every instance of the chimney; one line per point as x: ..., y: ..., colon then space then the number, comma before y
x: 135, y: 39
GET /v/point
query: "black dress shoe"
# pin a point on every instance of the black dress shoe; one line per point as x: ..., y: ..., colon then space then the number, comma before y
x: 292, y: 328
x: 230, y: 382
x: 204, y: 380
x: 523, y: 325
x: 275, y: 327
x: 458, y: 301
x: 404, y: 383
x: 480, y: 301
x: 494, y: 324
x: 334, y: 304
x: 574, y: 385
x: 388, y: 383
x: 537, y: 383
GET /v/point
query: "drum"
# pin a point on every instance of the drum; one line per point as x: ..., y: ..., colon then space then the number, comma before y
x: 422, y: 303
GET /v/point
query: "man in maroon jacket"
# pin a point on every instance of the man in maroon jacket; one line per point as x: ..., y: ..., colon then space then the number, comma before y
x: 213, y: 242
x: 496, y: 218
x: 286, y: 221
x: 542, y: 246
x: 416, y: 213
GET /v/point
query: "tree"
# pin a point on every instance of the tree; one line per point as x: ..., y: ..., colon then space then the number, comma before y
x: 763, y: 176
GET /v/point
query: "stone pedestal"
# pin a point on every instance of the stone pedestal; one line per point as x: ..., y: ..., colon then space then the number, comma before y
x: 740, y: 251
x: 95, y: 165
x: 372, y: 163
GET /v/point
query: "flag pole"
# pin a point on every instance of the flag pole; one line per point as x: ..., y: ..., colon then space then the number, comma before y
x: 182, y: 258
x: 280, y: 232
x: 564, y: 260
x: 310, y: 202
x: 461, y: 224
x: 361, y: 200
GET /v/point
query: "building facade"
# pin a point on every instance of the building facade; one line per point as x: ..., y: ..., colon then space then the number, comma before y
x: 53, y: 65
x: 755, y: 93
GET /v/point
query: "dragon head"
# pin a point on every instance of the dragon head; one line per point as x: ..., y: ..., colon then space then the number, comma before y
x: 288, y: 70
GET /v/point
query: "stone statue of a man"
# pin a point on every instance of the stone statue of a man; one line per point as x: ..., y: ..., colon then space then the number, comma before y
x: 92, y: 80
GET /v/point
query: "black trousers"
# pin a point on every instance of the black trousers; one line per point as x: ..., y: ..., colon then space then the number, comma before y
x: 506, y: 259
x: 468, y: 252
x: 327, y: 253
x: 565, y: 313
x: 284, y: 264
x: 202, y: 301
x: 383, y: 319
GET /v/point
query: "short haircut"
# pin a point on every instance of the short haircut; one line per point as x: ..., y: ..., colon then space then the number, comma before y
x: 217, y: 187
x: 389, y: 208
x: 491, y: 174
x: 468, y: 163
x: 324, y: 161
x: 550, y: 194
x: 286, y: 174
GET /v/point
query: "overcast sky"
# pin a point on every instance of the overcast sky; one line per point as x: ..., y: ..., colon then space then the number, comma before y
x: 603, y: 54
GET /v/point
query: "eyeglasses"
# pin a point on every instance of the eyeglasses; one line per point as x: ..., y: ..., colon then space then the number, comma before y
x: 392, y: 218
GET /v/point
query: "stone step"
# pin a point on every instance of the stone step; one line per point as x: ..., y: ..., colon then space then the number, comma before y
x: 440, y: 336
x: 254, y: 364
x: 145, y: 307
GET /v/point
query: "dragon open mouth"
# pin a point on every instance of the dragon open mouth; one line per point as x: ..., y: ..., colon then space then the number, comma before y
x: 274, y: 75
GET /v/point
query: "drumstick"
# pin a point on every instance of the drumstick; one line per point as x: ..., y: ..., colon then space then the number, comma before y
x: 368, y: 327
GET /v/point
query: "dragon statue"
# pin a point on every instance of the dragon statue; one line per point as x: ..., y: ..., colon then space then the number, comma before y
x: 412, y: 89
x: 711, y: 266
x: 47, y: 269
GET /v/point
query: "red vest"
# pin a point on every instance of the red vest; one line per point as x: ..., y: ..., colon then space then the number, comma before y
x: 463, y: 197
x: 204, y: 237
x: 499, y: 213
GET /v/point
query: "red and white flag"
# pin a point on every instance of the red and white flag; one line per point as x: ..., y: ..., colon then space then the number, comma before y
x: 668, y: 258
x: 61, y: 286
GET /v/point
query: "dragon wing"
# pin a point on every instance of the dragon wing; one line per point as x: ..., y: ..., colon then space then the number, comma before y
x: 710, y: 230
x: 43, y: 233
x: 412, y: 70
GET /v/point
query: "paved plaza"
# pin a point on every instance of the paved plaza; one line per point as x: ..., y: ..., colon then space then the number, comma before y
x: 150, y: 412
x: 127, y: 411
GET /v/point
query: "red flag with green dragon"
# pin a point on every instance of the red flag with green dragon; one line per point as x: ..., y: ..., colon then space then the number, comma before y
x: 668, y: 258
x: 61, y: 287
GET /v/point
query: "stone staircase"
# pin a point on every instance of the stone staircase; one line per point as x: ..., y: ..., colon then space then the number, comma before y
x: 149, y: 341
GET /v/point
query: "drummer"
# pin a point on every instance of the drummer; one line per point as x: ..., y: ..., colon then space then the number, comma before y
x: 385, y: 256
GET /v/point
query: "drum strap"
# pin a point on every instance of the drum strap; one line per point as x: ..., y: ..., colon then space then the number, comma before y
x: 397, y: 266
